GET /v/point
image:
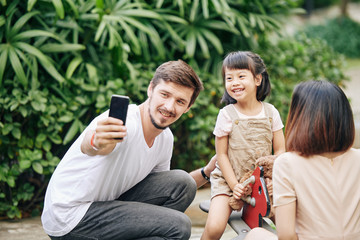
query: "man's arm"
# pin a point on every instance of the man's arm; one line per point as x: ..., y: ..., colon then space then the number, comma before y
x: 102, y: 141
x: 197, y: 175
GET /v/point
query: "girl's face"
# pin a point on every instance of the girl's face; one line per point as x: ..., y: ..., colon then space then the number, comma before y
x: 241, y: 85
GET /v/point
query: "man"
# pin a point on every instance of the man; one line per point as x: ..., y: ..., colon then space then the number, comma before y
x: 105, y: 188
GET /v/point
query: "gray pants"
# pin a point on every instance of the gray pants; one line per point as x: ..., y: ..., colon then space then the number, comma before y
x: 152, y: 209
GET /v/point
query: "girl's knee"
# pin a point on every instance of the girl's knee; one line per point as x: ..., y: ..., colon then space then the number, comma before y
x: 214, y: 230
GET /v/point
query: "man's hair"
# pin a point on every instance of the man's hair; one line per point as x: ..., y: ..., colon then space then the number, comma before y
x: 180, y: 73
x: 249, y: 61
x: 320, y: 119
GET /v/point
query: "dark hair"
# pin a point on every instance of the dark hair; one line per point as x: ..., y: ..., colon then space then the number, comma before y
x: 320, y: 119
x: 180, y: 73
x: 252, y: 62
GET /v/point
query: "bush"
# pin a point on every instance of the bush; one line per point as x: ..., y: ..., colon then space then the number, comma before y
x: 341, y: 33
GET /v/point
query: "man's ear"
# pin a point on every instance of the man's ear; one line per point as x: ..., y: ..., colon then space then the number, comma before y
x: 188, y: 109
x: 150, y: 89
x: 258, y: 80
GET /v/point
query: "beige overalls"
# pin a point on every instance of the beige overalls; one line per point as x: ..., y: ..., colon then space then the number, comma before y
x: 249, y: 139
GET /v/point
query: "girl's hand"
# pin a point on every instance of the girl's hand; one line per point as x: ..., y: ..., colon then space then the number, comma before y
x: 269, y: 185
x: 239, y: 191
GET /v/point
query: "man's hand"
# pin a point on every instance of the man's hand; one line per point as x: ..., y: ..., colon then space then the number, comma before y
x: 103, y: 140
x: 210, y: 166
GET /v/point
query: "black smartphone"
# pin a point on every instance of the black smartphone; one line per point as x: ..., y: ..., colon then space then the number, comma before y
x: 119, y: 107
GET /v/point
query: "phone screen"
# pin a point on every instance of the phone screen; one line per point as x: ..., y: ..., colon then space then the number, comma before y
x: 118, y: 107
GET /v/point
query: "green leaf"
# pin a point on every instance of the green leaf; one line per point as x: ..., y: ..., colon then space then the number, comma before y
x: 35, y: 33
x: 11, y: 181
x: 45, y: 62
x: 18, y: 69
x: 3, y: 60
x: 203, y: 46
x: 7, y: 129
x: 69, y: 47
x: 21, y: 22
x: 73, y: 130
x: 24, y: 164
x: 72, y: 66
x: 40, y: 137
x: 47, y: 146
x: 59, y: 8
x: 215, y: 41
x: 190, y: 44
x: 37, y: 167
x: 30, y: 5
x: 73, y: 7
x: 100, y: 30
x: 193, y: 10
x: 16, y: 133
x: 55, y: 139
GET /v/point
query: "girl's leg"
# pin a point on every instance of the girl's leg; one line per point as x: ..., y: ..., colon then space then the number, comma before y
x: 219, y: 214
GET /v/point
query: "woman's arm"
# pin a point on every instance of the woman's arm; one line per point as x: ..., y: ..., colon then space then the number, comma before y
x: 285, y: 221
x: 278, y: 142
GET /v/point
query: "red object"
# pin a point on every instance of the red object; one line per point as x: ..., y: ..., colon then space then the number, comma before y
x: 253, y: 216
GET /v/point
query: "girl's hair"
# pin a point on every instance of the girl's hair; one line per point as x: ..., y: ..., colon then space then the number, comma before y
x: 252, y: 62
x: 180, y: 73
x: 320, y: 119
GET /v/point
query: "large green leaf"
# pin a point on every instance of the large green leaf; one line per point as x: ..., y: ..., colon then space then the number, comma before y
x: 63, y: 47
x: 16, y: 65
x: 73, y: 130
x: 44, y: 60
x: 3, y: 60
x: 20, y: 23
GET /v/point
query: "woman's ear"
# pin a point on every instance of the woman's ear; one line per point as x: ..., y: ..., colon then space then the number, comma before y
x: 258, y: 79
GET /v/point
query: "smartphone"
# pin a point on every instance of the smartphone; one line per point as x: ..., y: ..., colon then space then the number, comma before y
x: 119, y: 107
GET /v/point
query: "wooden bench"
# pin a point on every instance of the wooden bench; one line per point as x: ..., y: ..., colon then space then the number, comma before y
x: 253, y: 216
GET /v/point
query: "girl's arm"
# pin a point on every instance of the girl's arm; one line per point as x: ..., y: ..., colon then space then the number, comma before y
x: 278, y: 142
x: 221, y: 146
x: 285, y: 221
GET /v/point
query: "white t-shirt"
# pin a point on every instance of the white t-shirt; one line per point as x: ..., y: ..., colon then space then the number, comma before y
x: 224, y: 124
x: 80, y: 179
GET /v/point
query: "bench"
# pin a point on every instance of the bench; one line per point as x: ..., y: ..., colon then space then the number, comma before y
x: 250, y: 216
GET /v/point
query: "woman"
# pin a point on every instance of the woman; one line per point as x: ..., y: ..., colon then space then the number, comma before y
x: 316, y: 189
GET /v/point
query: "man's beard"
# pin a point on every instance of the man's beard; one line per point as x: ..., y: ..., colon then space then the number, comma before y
x: 157, y: 125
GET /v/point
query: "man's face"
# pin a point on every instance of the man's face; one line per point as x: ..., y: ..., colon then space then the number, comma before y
x: 167, y: 102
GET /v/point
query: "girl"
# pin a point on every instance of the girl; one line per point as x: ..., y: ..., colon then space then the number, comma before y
x: 245, y: 130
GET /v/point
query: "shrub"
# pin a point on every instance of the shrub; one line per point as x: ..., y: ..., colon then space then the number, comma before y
x: 341, y: 33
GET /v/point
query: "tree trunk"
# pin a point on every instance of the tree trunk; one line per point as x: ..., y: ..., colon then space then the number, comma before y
x: 343, y: 7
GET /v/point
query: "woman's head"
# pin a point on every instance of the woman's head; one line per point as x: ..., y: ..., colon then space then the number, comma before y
x: 320, y: 119
x: 248, y: 61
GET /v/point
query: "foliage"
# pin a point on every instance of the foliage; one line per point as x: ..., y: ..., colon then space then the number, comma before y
x: 292, y: 60
x: 340, y: 33
x: 61, y: 60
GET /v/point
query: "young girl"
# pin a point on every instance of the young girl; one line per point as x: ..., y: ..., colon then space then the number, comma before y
x: 246, y: 129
